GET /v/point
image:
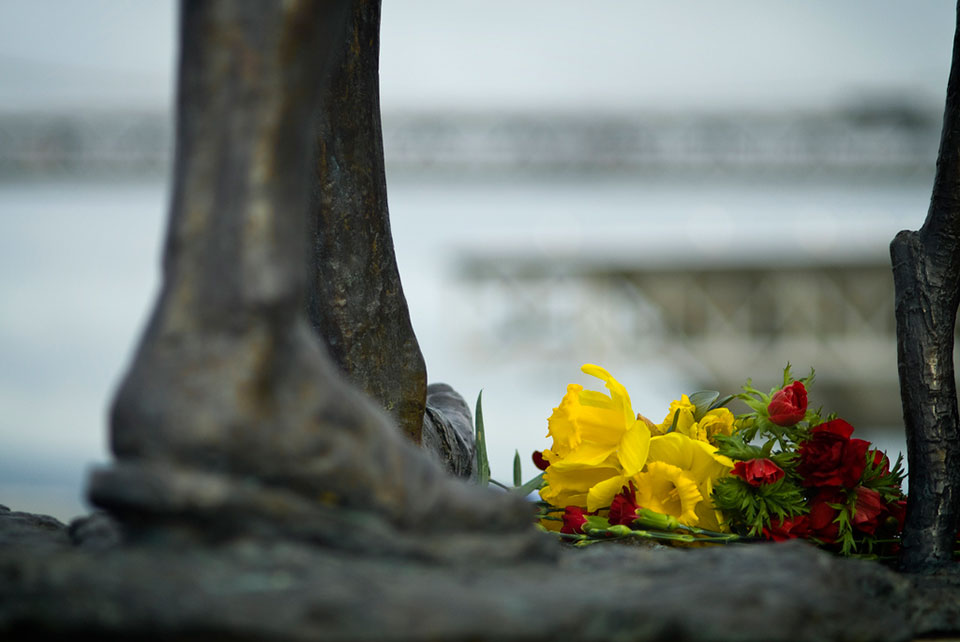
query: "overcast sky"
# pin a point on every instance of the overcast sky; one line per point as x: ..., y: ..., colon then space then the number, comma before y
x: 534, y: 54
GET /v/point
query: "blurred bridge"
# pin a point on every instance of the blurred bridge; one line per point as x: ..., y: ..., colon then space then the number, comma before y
x: 722, y: 323
x: 879, y: 137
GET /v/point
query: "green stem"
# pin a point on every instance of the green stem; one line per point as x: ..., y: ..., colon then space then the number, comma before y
x: 729, y: 537
x: 608, y: 534
x: 571, y: 536
x: 551, y: 509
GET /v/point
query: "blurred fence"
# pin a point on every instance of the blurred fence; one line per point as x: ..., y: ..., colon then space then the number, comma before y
x: 720, y: 323
x: 94, y: 144
x: 888, y: 139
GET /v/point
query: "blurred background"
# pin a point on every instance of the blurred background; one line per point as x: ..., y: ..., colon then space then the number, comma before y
x: 685, y: 193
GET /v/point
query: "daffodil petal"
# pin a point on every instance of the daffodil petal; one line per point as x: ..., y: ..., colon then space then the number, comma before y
x: 603, y: 493
x: 709, y: 517
x: 674, y: 449
x: 618, y: 393
x: 600, y: 425
x: 686, y: 424
x: 596, y: 399
x: 634, y: 448
x: 589, y: 454
x: 698, y: 457
x: 567, y: 485
x: 561, y: 425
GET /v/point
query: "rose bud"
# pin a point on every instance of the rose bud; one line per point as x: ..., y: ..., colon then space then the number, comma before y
x: 623, y: 508
x: 573, y: 520
x: 539, y: 461
x: 790, y: 528
x: 757, y: 472
x: 870, y: 510
x: 788, y: 405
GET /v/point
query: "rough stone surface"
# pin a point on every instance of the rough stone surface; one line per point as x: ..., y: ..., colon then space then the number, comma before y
x: 98, y: 531
x: 39, y: 532
x: 269, y: 589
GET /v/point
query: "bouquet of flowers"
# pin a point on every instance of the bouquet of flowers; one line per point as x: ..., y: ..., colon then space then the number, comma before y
x: 703, y: 474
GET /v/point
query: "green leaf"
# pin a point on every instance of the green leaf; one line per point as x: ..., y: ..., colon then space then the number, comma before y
x: 673, y: 424
x: 595, y: 522
x: 720, y: 403
x: 753, y: 397
x: 787, y: 379
x: 735, y: 447
x: 517, y: 476
x: 530, y: 486
x: 749, y: 509
x: 483, y: 465
x: 768, y: 447
x: 702, y: 401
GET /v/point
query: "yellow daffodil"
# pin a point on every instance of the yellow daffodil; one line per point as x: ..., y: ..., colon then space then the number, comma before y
x: 683, y: 410
x: 700, y: 463
x: 719, y: 421
x: 562, y: 425
x: 596, y: 439
x: 682, y: 419
x: 708, y: 516
x: 569, y: 484
x: 600, y: 446
x: 700, y: 458
x: 667, y: 489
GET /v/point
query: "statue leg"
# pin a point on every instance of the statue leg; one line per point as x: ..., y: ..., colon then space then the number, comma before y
x: 926, y: 275
x: 232, y: 413
x: 356, y: 301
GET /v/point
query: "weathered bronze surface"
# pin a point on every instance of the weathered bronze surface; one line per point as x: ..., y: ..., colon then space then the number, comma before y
x: 926, y: 270
x: 232, y: 416
x: 356, y: 301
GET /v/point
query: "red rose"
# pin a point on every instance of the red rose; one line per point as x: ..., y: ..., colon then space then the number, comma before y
x: 831, y: 458
x: 822, y: 515
x: 623, y: 508
x: 758, y: 472
x: 788, y: 405
x: 573, y: 520
x: 870, y: 510
x: 539, y: 461
x: 790, y: 528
